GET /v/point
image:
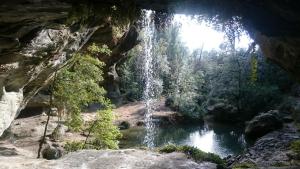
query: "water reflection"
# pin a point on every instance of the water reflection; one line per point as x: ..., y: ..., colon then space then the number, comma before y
x: 219, y: 139
x: 204, y: 142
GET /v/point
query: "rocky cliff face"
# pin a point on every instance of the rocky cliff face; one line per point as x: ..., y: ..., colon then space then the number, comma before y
x: 37, y: 37
x: 35, y: 41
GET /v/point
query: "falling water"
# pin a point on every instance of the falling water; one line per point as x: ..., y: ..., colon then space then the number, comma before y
x: 148, y: 78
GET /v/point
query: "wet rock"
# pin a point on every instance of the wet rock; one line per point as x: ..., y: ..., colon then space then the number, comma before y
x: 263, y: 123
x: 140, y: 123
x: 52, y: 152
x: 270, y: 150
x: 288, y: 119
x: 124, y: 125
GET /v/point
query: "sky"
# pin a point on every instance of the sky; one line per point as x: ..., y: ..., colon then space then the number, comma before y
x: 196, y: 34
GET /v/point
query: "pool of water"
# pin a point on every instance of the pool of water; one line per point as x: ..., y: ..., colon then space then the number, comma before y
x: 219, y: 139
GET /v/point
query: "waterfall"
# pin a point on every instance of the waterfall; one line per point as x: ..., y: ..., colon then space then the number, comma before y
x: 148, y: 77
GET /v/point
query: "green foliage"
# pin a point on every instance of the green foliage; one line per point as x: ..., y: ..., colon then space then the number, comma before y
x: 257, y: 98
x: 106, y: 134
x: 280, y: 164
x: 242, y: 80
x: 295, y: 147
x: 232, y: 80
x: 78, y: 85
x: 130, y: 76
x: 183, y: 78
x: 120, y: 13
x: 170, y: 148
x: 244, y: 165
x: 175, y: 75
x: 73, y: 146
x: 95, y: 49
x: 253, y: 70
x: 78, y: 14
x: 194, y: 153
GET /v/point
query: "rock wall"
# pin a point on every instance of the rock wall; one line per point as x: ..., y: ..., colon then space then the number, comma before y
x: 36, y: 45
x: 38, y: 37
x: 9, y: 104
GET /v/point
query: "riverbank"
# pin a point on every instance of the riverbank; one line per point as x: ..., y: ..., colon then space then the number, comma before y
x: 133, y: 113
x: 271, y: 150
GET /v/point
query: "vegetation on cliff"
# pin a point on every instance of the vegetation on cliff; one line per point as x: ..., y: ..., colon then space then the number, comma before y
x: 76, y: 86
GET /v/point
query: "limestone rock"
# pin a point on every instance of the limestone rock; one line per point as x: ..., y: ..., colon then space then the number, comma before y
x: 109, y: 159
x: 52, y: 152
x: 271, y: 149
x: 9, y: 105
x: 263, y: 123
x: 58, y: 133
x: 36, y: 45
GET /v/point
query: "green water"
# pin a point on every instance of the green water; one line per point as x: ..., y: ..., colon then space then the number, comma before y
x: 220, y: 139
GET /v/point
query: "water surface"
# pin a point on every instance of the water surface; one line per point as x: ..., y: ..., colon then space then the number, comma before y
x: 220, y: 139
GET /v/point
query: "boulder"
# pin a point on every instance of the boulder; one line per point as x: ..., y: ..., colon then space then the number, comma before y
x: 124, y: 125
x: 58, y: 133
x: 52, y: 152
x: 140, y: 123
x: 263, y: 123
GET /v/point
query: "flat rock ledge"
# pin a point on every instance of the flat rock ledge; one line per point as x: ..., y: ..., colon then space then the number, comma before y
x: 107, y: 159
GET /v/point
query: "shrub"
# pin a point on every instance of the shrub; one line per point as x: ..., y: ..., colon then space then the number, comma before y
x: 76, y: 86
x: 170, y: 148
x: 295, y: 147
x: 244, y: 165
x: 74, y: 146
x: 105, y: 133
x: 194, y: 153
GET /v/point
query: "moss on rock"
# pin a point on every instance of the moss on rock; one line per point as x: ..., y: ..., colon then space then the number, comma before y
x: 194, y: 153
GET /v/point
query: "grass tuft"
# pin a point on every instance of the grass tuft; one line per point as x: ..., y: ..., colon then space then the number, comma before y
x: 194, y: 153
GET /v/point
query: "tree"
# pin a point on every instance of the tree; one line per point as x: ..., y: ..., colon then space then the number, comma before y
x: 78, y: 85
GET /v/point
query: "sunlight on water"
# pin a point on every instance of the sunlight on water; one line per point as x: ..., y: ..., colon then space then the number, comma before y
x: 204, y: 142
x: 221, y: 140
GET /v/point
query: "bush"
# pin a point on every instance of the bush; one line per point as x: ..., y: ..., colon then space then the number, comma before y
x: 258, y: 98
x: 105, y: 133
x: 186, y: 106
x: 194, y: 153
x: 74, y: 146
x: 76, y: 86
x: 295, y: 147
x: 170, y: 148
x: 244, y: 165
